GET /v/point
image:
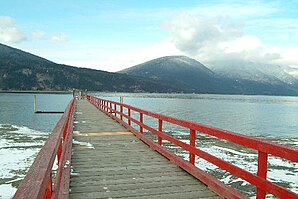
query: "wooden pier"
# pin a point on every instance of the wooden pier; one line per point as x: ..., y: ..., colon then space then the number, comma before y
x: 102, y: 150
x: 108, y: 161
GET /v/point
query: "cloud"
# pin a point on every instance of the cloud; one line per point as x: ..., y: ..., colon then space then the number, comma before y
x: 192, y: 33
x: 241, y: 44
x: 61, y: 37
x: 219, y: 39
x: 9, y: 32
x: 289, y: 56
x: 239, y: 9
x: 39, y: 35
x: 122, y: 58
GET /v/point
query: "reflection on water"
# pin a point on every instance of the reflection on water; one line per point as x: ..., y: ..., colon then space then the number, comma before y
x: 22, y: 132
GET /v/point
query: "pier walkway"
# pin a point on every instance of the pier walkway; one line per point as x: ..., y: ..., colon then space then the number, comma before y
x: 105, y: 149
x: 108, y: 161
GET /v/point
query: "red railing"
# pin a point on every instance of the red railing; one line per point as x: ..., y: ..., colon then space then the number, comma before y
x: 38, y: 183
x: 117, y: 111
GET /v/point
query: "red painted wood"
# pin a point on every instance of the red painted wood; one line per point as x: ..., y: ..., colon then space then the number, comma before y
x: 115, y: 109
x: 121, y: 112
x: 65, y: 179
x: 129, y: 116
x: 38, y: 181
x: 160, y: 130
x: 264, y: 147
x: 250, y: 142
x: 59, y: 151
x: 212, y: 182
x: 192, y: 139
x: 48, y: 192
x: 61, y: 188
x: 141, y: 122
x: 262, y: 172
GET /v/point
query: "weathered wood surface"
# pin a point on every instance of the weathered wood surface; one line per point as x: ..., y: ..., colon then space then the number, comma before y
x: 110, y: 162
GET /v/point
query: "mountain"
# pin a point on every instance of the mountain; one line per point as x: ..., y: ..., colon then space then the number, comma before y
x: 20, y: 70
x: 179, y: 71
x: 265, y: 78
x: 234, y: 77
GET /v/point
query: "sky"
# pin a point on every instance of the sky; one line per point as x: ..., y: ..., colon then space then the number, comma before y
x: 112, y: 35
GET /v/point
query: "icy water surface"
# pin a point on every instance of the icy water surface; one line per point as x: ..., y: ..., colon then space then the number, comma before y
x: 23, y: 133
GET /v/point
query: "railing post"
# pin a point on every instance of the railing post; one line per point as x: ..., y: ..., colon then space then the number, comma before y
x: 160, y: 130
x: 141, y: 121
x: 49, y: 189
x: 121, y: 112
x: 65, y: 129
x: 59, y: 151
x: 110, y: 111
x: 192, y: 142
x: 115, y: 109
x: 129, y: 114
x: 262, y: 172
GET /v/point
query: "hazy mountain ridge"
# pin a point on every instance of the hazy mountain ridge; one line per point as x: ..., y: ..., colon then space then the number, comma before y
x: 280, y: 79
x: 20, y: 70
x: 234, y: 77
x: 255, y: 71
x: 181, y: 71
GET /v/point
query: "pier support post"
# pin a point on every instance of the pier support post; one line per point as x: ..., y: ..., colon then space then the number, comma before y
x: 35, y: 104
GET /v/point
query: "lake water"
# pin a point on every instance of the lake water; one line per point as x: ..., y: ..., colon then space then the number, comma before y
x: 22, y: 133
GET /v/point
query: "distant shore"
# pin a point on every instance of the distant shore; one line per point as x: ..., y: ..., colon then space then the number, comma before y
x: 36, y: 92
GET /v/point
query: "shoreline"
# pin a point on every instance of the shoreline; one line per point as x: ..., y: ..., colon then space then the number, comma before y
x: 120, y: 92
x: 38, y: 92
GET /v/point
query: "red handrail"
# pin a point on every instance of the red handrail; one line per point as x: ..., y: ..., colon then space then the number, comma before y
x: 262, y: 146
x: 38, y: 183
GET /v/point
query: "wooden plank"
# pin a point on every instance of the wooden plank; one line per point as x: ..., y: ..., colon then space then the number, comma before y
x: 190, y: 194
x: 106, y: 193
x: 103, y: 134
x: 130, y: 178
x: 109, y: 161
x: 135, y: 186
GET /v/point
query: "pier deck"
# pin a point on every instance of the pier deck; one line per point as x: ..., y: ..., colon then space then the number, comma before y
x: 108, y: 161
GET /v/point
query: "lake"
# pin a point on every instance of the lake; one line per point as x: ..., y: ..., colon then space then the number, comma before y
x: 22, y: 133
